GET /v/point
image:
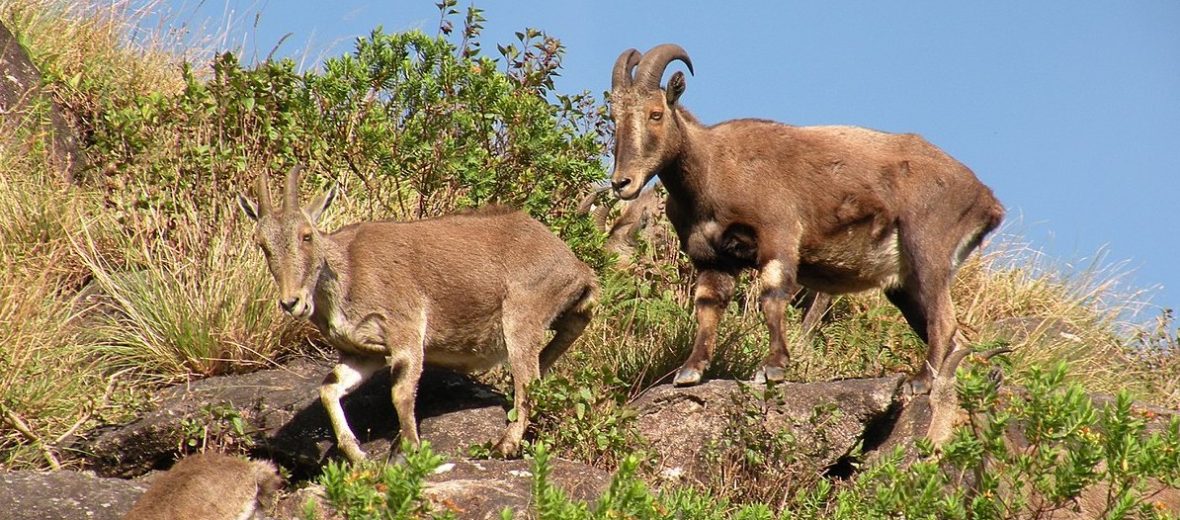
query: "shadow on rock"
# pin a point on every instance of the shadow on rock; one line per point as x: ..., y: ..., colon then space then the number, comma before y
x: 826, y: 421
x: 287, y: 423
x: 453, y: 413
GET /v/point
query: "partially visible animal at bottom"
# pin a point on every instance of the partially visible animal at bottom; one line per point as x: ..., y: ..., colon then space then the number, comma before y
x: 210, y: 486
x: 464, y: 292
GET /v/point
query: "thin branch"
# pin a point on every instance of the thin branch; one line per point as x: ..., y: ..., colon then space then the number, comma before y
x: 23, y: 428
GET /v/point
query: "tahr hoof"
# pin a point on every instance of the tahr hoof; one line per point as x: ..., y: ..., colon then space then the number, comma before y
x: 352, y: 451
x: 771, y: 374
x: 687, y: 377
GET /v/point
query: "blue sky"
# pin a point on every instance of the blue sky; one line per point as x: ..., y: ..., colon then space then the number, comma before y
x: 1070, y: 111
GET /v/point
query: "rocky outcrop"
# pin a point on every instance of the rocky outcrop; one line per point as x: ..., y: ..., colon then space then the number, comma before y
x: 65, y: 495
x: 824, y: 421
x: 469, y: 489
x: 21, y: 98
x: 285, y: 421
x: 475, y: 489
x: 482, y: 489
x: 825, y: 424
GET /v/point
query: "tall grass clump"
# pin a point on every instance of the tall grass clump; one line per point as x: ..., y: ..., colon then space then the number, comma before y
x: 1051, y: 311
x: 195, y: 302
x: 51, y: 384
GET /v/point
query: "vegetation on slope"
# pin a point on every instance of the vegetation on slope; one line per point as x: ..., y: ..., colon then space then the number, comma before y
x: 142, y: 274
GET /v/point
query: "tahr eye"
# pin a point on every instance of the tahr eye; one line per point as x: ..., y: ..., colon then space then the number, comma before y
x: 306, y: 237
x: 656, y: 116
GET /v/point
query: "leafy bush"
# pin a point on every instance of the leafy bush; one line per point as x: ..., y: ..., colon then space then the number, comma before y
x: 628, y: 497
x: 411, y: 125
x: 753, y: 461
x: 372, y: 490
x: 584, y: 417
x: 219, y: 427
x: 1041, y: 451
x: 1046, y: 449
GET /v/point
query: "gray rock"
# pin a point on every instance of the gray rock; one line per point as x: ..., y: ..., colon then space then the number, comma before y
x: 20, y: 90
x: 481, y: 489
x: 65, y: 495
x: 911, y: 424
x: 470, y: 489
x: 826, y: 420
x: 287, y: 423
x: 293, y: 504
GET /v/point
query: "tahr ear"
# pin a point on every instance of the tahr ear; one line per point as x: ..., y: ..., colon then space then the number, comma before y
x: 248, y: 207
x: 315, y: 209
x: 676, y: 86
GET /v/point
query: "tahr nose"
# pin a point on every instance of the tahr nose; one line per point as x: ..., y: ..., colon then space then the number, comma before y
x: 289, y: 304
x: 620, y: 184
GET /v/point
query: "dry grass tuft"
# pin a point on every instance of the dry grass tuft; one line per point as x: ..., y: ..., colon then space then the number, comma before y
x: 91, y: 41
x: 195, y: 300
x: 48, y: 375
x: 1050, y: 311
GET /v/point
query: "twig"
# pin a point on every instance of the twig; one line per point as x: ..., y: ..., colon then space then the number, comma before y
x: 101, y: 403
x: 23, y: 428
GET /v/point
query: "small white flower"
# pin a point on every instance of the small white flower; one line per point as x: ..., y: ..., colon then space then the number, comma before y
x: 672, y: 473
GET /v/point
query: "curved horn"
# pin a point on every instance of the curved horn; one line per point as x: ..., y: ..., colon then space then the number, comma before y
x: 621, y: 77
x: 291, y: 192
x: 262, y: 193
x: 589, y: 199
x: 651, y: 67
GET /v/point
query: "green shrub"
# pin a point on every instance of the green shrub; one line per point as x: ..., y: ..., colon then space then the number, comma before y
x: 1039, y: 450
x: 1021, y: 455
x: 373, y: 490
x: 218, y: 427
x: 628, y: 497
x: 411, y: 125
x: 584, y: 417
x: 753, y: 461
